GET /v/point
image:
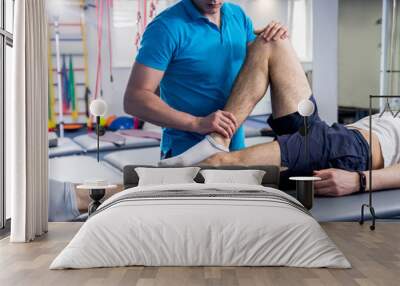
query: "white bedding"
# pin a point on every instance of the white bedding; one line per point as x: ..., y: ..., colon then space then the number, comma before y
x: 184, y: 230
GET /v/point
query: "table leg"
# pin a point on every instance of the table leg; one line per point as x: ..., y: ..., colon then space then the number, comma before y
x: 305, y: 193
x: 96, y: 195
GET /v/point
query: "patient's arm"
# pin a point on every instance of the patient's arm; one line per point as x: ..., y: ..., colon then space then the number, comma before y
x: 337, y: 182
x: 387, y: 178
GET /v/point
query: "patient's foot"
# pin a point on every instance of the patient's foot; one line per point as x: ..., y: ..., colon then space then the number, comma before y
x: 199, y: 152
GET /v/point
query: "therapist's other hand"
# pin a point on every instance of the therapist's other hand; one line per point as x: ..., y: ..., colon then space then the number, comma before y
x: 273, y: 31
x: 221, y: 122
x: 336, y: 182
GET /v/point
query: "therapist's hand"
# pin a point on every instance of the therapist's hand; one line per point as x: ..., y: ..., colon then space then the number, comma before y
x: 336, y: 182
x: 273, y: 31
x: 221, y: 122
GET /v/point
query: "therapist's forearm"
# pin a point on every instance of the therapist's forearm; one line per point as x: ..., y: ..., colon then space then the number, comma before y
x: 387, y: 178
x: 149, y: 107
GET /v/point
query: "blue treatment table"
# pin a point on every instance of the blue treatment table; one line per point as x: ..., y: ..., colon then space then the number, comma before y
x: 89, y: 144
x: 65, y: 147
x: 348, y: 208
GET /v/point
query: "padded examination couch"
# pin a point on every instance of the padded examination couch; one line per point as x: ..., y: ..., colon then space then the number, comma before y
x: 143, y: 156
x: 258, y: 140
x: 89, y: 144
x: 65, y: 147
x: 250, y: 131
x: 348, y: 208
x: 77, y: 169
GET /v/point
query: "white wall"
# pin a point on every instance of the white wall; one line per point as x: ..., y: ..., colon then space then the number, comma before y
x: 359, y: 52
x: 325, y: 57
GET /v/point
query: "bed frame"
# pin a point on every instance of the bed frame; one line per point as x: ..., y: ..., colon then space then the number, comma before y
x: 270, y: 179
x: 387, y: 203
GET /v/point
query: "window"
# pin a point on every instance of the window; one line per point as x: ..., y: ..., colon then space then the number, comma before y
x: 6, y: 43
x: 300, y: 27
x: 9, y: 12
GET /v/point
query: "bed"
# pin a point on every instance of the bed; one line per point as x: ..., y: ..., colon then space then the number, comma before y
x: 250, y: 131
x: 142, y: 156
x: 77, y: 169
x: 258, y: 140
x: 65, y: 147
x: 89, y: 143
x: 348, y: 208
x: 257, y: 121
x: 197, y: 224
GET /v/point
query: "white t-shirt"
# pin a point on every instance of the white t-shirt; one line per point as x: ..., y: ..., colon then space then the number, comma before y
x: 387, y: 129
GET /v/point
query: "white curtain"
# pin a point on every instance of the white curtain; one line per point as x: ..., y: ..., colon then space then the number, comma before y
x: 26, y: 120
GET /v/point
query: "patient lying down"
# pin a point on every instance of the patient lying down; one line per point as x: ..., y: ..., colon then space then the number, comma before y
x: 339, y: 154
x: 68, y: 203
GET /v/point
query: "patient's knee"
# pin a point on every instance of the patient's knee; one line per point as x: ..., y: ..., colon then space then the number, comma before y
x: 266, y: 49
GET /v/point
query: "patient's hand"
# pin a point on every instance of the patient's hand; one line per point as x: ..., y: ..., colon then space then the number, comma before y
x: 336, y: 182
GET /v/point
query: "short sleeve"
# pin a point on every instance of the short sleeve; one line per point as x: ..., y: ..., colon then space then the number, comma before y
x: 249, y: 29
x: 238, y: 142
x: 157, y: 46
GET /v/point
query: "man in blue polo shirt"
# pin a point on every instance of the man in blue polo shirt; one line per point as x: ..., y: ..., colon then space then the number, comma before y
x: 193, y: 52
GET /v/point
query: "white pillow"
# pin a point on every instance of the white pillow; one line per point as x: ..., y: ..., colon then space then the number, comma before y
x: 166, y: 176
x: 247, y: 177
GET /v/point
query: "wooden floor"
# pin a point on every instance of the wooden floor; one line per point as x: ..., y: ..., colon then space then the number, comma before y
x: 375, y: 257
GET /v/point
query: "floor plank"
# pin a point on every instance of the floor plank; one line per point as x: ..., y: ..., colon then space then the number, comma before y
x: 374, y: 255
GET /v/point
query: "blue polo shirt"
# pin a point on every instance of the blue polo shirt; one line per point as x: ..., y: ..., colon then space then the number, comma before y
x: 200, y: 64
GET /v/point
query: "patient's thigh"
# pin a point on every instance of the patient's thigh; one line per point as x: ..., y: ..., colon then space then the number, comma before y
x: 289, y: 84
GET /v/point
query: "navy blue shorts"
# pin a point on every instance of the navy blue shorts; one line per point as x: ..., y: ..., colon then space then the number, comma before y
x: 330, y: 146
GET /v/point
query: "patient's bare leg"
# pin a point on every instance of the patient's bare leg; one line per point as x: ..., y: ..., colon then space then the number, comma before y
x: 262, y: 154
x: 274, y: 62
x: 268, y: 62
